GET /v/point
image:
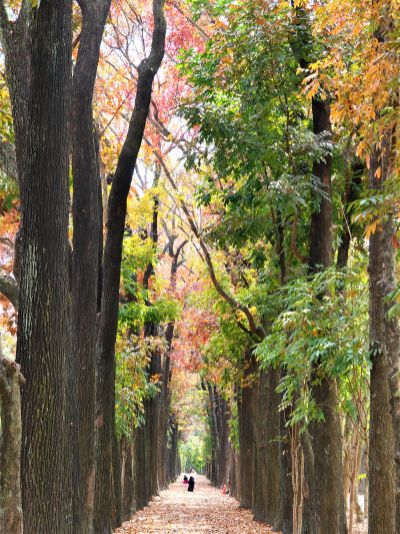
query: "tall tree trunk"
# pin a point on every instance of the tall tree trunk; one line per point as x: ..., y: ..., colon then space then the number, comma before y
x: 154, y: 425
x: 384, y: 347
x: 392, y: 333
x: 127, y: 479
x: 323, y: 464
x: 112, y: 269
x: 215, y: 435
x: 247, y: 407
x: 384, y: 337
x: 16, y: 41
x: 151, y: 329
x: 140, y: 468
x: 326, y: 443
x: 87, y: 226
x: 116, y: 477
x: 328, y: 506
x: 166, y: 370
x: 273, y: 450
x: 43, y: 329
x: 286, y: 475
x: 267, y: 495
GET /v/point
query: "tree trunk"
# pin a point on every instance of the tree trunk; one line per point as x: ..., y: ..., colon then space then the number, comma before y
x: 348, y: 427
x: 16, y: 41
x: 151, y: 329
x: 10, y: 447
x: 286, y: 469
x: 86, y: 219
x: 326, y: 510
x: 273, y: 451
x: 116, y: 476
x: 309, y: 520
x: 127, y: 479
x: 140, y: 469
x: 147, y: 454
x: 165, y: 399
x: 214, y: 475
x: 266, y: 494
x: 43, y: 329
x: 112, y: 270
x: 354, y: 474
x: 154, y: 423
x: 384, y: 343
x: 326, y: 440
x: 247, y: 406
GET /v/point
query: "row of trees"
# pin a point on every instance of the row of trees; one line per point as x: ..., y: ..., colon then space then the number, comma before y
x: 82, y: 469
x: 299, y: 157
x: 272, y: 152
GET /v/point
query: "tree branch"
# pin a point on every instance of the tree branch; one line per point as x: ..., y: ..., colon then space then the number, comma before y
x: 191, y: 21
x: 4, y: 21
x: 9, y: 288
x: 234, y: 304
x: 8, y: 160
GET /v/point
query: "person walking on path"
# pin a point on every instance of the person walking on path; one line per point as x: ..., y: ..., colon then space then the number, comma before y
x: 191, y: 484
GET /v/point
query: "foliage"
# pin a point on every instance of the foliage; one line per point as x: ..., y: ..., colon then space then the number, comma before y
x: 133, y: 383
x: 193, y: 453
x: 321, y: 331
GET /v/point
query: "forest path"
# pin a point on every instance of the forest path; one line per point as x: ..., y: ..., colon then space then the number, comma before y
x: 205, y: 510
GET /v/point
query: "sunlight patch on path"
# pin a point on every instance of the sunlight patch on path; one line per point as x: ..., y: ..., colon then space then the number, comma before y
x: 205, y: 510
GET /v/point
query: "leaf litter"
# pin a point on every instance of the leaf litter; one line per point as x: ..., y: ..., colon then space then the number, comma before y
x: 206, y: 510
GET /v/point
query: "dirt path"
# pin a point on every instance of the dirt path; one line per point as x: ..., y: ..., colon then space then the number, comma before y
x: 205, y: 510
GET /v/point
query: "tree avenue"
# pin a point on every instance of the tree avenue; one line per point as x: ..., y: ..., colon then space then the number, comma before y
x: 199, y: 248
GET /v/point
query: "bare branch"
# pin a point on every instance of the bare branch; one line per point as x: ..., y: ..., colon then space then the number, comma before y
x: 181, y: 247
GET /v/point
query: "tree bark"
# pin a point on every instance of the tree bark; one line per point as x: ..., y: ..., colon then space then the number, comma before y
x: 43, y: 329
x: 127, y: 479
x: 87, y: 226
x: 266, y: 478
x: 164, y: 477
x: 247, y: 406
x: 326, y: 440
x: 384, y: 347
x: 325, y: 505
x: 286, y: 470
x: 112, y: 269
x: 273, y: 450
x: 16, y: 41
x: 155, y: 368
x: 326, y: 443
x: 9, y: 288
x: 140, y: 468
x: 11, y: 521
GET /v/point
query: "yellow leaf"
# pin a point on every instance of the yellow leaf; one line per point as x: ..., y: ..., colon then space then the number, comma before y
x: 360, y: 149
x: 371, y: 229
